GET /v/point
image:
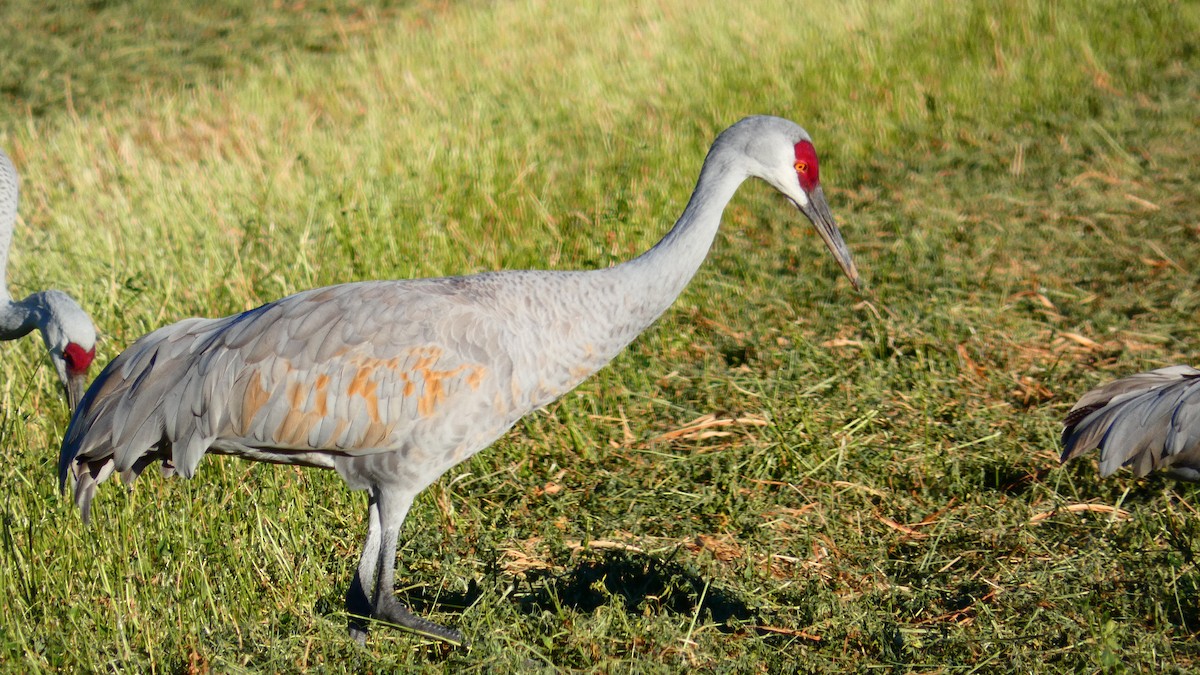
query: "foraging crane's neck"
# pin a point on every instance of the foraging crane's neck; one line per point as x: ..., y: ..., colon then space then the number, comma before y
x: 656, y: 278
x: 17, y: 319
x: 9, y: 196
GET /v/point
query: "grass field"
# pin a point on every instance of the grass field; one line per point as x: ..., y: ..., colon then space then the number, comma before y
x: 781, y: 475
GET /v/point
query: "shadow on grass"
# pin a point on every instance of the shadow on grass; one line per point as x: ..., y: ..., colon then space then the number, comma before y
x: 638, y: 581
x: 1012, y: 480
x: 641, y: 582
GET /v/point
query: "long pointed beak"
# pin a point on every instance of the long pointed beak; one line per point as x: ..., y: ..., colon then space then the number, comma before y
x: 75, y: 384
x: 818, y: 212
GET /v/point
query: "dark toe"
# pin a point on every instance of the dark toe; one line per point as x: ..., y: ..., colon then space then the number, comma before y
x: 396, y: 613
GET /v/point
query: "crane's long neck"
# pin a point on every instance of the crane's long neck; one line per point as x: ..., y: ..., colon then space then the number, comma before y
x: 656, y: 278
x: 17, y: 319
x: 9, y: 196
x: 597, y: 313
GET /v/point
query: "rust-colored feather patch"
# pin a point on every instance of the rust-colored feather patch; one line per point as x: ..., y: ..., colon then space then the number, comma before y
x: 255, y: 398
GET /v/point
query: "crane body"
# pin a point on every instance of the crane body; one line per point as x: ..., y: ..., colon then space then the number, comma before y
x: 391, y: 383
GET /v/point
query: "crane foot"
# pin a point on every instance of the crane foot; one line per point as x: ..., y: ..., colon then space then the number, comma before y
x: 392, y: 611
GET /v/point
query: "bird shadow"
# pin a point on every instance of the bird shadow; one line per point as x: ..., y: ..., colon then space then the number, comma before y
x: 638, y: 582
x: 641, y: 583
x: 1011, y: 480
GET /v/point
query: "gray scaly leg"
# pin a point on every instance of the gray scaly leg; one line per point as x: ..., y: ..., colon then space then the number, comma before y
x: 377, y: 569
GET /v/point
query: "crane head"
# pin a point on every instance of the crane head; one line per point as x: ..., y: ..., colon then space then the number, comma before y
x: 816, y: 208
x: 70, y: 339
x: 787, y: 159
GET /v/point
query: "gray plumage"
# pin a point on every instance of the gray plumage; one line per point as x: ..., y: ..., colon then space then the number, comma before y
x: 1147, y: 421
x: 391, y: 383
x: 66, y: 330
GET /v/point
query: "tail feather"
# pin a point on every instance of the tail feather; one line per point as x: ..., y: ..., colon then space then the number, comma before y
x: 1185, y: 427
x: 162, y: 456
x: 1146, y: 421
x: 121, y: 423
x: 87, y: 476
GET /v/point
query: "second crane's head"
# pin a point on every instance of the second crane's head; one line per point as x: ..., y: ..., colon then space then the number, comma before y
x: 782, y: 153
x: 71, y: 341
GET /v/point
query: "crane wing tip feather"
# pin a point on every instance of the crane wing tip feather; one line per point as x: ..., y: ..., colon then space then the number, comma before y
x: 1075, y: 426
x: 87, y: 477
x: 85, y: 488
x: 1073, y: 448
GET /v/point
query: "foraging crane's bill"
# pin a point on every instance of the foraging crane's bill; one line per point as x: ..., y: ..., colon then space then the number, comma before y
x: 391, y: 383
x: 66, y: 329
x: 1146, y: 421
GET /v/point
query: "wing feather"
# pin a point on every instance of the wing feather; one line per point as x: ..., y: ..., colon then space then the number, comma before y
x: 1146, y: 421
x: 345, y: 370
x: 1184, y: 436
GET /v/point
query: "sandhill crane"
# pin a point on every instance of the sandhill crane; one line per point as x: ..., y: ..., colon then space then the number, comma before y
x: 391, y: 383
x: 66, y: 329
x: 1146, y: 421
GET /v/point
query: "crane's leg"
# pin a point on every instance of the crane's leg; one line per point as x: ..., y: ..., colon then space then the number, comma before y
x: 362, y: 586
x: 372, y: 592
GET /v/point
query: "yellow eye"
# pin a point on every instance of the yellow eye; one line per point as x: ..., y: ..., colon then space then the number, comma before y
x: 801, y: 167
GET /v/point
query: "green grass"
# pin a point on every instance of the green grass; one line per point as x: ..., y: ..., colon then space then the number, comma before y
x: 1017, y: 181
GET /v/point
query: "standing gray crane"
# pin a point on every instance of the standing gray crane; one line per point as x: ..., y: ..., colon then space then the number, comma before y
x: 1146, y: 421
x: 66, y: 329
x: 391, y: 383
